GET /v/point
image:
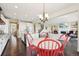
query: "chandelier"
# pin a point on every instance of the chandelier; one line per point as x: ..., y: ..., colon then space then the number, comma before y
x: 44, y: 17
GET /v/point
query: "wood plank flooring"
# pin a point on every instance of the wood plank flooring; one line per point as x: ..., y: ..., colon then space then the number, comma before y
x: 15, y: 49
x: 19, y: 49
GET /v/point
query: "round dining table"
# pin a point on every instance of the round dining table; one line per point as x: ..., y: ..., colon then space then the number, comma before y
x: 36, y: 41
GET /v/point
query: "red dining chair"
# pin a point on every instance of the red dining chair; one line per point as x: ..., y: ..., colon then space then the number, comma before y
x: 48, y: 47
x: 65, y: 38
x: 29, y: 41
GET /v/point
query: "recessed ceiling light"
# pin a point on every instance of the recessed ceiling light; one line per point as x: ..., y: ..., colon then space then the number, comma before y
x: 16, y: 6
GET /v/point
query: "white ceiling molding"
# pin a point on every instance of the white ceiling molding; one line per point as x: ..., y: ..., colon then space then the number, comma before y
x: 65, y: 11
x: 65, y: 18
x: 4, y: 19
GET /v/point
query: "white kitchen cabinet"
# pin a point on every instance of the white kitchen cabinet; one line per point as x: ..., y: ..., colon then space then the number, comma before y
x: 3, y: 42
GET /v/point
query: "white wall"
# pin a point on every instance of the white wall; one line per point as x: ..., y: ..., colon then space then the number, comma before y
x: 78, y: 38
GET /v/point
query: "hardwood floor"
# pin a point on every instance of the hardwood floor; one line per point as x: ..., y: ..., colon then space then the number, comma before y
x: 15, y: 49
x: 18, y: 49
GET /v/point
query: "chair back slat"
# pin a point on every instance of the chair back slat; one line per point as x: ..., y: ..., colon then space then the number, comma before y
x: 44, y: 45
x: 65, y: 39
x: 48, y: 47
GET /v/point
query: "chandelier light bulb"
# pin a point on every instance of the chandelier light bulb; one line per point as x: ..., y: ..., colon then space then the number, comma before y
x: 41, y: 17
x: 15, y: 6
x: 46, y: 15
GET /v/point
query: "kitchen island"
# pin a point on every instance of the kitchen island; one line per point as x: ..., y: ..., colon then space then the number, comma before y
x: 3, y: 41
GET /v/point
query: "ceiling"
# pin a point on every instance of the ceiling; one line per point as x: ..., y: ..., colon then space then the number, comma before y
x: 30, y: 11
